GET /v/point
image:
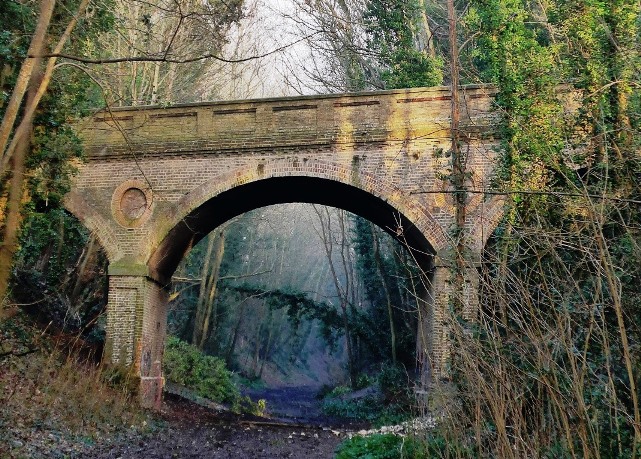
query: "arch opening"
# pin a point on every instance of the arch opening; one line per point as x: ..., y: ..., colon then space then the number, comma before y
x: 276, y: 255
x: 281, y: 190
x: 144, y: 298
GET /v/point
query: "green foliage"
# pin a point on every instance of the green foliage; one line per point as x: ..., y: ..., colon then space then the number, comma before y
x: 394, y: 384
x: 50, y: 240
x: 13, y: 45
x: 523, y: 64
x: 390, y: 446
x: 393, y: 404
x: 67, y: 96
x: 362, y: 381
x: 60, y: 269
x: 391, y: 29
x: 50, y: 162
x: 299, y: 306
x: 371, y: 328
x: 206, y: 375
x: 184, y: 364
x: 563, y: 260
x: 54, y: 234
x: 338, y: 391
x: 382, y: 446
x: 367, y: 408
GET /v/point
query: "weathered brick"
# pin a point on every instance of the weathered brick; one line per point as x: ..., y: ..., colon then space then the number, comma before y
x: 150, y: 171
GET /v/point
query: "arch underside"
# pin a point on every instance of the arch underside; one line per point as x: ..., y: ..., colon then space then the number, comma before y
x: 281, y: 190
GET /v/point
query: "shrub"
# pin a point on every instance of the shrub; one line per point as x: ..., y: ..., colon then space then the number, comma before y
x: 362, y: 381
x: 208, y: 376
x: 338, y: 391
x: 381, y: 446
x: 393, y: 382
x: 395, y: 407
x: 367, y: 409
x: 391, y: 446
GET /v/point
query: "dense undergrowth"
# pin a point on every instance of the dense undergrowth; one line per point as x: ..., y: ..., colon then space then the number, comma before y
x: 382, y: 446
x: 206, y: 375
x: 392, y: 446
x: 383, y: 399
x: 55, y: 403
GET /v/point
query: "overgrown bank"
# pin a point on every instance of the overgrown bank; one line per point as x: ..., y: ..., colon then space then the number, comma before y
x: 55, y: 401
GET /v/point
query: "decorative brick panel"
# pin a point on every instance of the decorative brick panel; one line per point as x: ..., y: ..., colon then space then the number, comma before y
x: 123, y: 309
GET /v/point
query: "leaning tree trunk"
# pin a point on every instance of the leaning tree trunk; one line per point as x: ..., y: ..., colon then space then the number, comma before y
x: 25, y: 76
x: 205, y: 309
x: 9, y: 242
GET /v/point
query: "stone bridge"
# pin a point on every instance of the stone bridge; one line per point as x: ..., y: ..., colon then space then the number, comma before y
x: 157, y: 180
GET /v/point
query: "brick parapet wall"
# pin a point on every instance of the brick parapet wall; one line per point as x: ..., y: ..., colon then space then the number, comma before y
x: 286, y: 122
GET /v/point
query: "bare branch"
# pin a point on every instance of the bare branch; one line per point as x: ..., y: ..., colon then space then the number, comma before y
x: 169, y: 60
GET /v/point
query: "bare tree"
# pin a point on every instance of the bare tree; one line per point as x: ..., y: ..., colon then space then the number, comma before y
x: 337, y: 60
x: 335, y: 245
x: 206, y: 314
x: 154, y: 35
x: 386, y: 289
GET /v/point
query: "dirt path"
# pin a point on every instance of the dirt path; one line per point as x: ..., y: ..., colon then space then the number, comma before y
x: 192, y: 431
x: 299, y: 404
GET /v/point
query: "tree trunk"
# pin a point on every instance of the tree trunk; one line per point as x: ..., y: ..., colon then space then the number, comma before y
x: 425, y: 35
x: 206, y: 309
x: 388, y: 298
x: 210, y: 320
x: 204, y: 277
x: 82, y: 270
x: 10, y: 232
x: 257, y: 342
x: 325, y: 234
x: 458, y: 162
x: 234, y: 338
x: 24, y: 77
x: 24, y: 128
x: 270, y: 340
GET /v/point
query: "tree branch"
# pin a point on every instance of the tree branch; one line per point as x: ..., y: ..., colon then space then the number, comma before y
x: 170, y: 60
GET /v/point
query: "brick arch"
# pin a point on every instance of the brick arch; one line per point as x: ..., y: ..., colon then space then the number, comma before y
x: 94, y: 222
x: 181, y: 228
x: 486, y: 222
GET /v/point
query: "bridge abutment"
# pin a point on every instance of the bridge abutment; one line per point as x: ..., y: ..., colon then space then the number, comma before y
x: 136, y: 329
x: 437, y: 317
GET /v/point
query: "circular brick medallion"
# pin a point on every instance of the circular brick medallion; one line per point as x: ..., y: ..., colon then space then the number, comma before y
x: 131, y: 203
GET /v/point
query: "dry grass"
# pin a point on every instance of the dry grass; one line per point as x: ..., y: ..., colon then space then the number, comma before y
x: 52, y: 402
x: 548, y: 366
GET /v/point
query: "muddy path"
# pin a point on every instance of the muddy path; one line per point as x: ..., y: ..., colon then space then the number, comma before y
x: 299, y: 405
x: 296, y: 430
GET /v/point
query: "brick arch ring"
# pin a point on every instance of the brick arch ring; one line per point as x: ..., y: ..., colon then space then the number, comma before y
x: 385, y: 191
